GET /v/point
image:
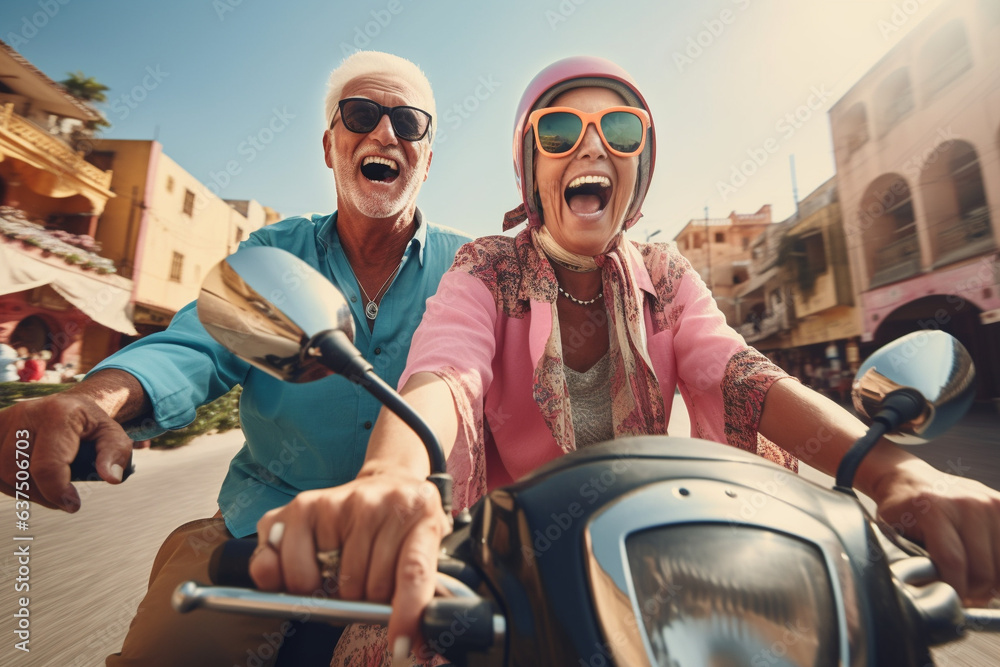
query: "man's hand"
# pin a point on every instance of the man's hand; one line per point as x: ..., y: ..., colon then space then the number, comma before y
x: 957, y: 520
x: 388, y: 528
x: 55, y: 425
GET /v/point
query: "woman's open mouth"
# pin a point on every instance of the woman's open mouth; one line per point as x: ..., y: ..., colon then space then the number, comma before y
x: 379, y: 169
x: 587, y: 195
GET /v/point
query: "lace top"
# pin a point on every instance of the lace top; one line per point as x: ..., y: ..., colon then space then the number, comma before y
x: 590, y: 402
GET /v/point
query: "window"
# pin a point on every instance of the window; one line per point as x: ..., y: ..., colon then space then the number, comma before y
x: 720, y: 237
x: 746, y: 242
x: 968, y: 180
x: 188, y: 202
x: 176, y: 267
x: 170, y: 183
x: 815, y: 253
x: 945, y: 56
x: 854, y: 126
x: 698, y: 241
x: 894, y: 99
x: 903, y: 219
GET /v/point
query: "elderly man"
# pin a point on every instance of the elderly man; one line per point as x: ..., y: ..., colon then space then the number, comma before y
x: 387, y: 260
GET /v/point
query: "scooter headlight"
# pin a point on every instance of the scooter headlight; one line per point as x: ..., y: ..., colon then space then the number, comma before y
x: 727, y: 596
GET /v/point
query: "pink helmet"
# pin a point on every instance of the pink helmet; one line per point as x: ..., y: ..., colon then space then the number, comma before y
x: 557, y: 78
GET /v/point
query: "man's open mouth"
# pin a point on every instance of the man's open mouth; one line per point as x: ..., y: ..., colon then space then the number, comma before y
x: 379, y: 169
x: 588, y: 194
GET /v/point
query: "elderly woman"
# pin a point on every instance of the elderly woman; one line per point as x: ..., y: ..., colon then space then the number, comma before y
x: 567, y: 335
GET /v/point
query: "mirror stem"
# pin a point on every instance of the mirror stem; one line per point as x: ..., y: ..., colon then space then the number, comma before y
x: 340, y: 356
x: 898, y: 407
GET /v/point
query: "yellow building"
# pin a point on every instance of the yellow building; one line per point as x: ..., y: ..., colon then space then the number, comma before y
x: 719, y: 250
x: 825, y: 329
x: 798, y: 305
x: 166, y: 229
x: 821, y: 288
x: 58, y: 293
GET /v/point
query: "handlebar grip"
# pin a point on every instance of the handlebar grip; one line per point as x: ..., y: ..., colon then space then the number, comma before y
x: 457, y: 625
x: 84, y: 466
x: 230, y: 563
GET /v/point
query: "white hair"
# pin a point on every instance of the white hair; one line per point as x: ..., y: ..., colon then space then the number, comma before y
x: 376, y: 63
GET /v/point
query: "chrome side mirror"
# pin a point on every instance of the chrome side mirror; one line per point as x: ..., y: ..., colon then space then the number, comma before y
x: 267, y: 305
x: 278, y: 313
x: 929, y: 363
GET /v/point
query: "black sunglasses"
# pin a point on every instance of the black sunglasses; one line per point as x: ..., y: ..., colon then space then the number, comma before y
x: 362, y: 115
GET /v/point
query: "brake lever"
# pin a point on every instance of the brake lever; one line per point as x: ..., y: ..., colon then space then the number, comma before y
x: 482, y: 628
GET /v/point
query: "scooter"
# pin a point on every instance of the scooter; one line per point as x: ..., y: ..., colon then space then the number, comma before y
x: 641, y: 551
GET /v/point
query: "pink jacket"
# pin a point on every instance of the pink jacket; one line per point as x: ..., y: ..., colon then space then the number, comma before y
x: 485, y: 332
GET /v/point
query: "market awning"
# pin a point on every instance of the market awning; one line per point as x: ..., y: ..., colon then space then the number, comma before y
x: 104, y: 298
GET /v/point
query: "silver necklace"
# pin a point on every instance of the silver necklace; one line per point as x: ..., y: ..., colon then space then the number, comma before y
x: 577, y: 301
x: 371, y: 308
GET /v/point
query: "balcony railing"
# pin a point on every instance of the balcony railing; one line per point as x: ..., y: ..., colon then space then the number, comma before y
x: 896, y: 261
x: 38, y: 140
x: 970, y: 236
x: 773, y: 322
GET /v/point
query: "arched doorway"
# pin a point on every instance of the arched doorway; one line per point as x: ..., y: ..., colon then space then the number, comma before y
x: 956, y: 316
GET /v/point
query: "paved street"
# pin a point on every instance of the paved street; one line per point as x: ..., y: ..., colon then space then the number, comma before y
x: 89, y: 570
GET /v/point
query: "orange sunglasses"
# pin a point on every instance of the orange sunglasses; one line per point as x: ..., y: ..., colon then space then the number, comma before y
x: 559, y: 130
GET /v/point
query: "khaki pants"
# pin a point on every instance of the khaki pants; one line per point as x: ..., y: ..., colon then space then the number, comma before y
x: 159, y: 635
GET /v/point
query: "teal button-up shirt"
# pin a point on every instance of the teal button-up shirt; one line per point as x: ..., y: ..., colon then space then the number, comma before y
x: 298, y: 436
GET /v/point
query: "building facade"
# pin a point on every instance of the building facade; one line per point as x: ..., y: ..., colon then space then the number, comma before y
x: 165, y: 229
x: 764, y: 314
x: 917, y: 149
x: 719, y: 250
x: 60, y: 295
x: 804, y: 309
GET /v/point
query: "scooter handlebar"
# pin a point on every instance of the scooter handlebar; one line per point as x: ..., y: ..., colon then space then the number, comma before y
x: 467, y: 620
x: 84, y: 466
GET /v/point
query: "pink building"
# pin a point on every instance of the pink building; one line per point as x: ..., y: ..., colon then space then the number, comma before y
x: 917, y: 148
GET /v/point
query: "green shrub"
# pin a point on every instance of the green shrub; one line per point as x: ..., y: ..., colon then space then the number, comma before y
x: 222, y: 414
x: 11, y: 392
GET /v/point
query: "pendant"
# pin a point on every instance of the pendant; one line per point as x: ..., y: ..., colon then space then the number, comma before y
x: 371, y: 310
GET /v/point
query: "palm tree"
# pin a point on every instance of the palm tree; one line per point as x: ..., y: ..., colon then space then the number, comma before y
x: 86, y: 88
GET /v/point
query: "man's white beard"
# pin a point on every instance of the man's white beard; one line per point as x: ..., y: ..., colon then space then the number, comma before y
x: 380, y: 204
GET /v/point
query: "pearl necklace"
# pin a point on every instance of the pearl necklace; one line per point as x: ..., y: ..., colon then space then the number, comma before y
x: 578, y: 301
x: 371, y: 308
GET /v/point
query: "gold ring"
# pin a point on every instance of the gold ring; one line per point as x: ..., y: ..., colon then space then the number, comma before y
x: 329, y: 563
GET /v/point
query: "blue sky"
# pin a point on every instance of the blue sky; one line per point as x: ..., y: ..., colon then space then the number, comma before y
x: 722, y: 77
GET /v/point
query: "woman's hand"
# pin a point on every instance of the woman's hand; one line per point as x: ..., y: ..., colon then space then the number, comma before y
x: 956, y: 519
x: 388, y: 527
